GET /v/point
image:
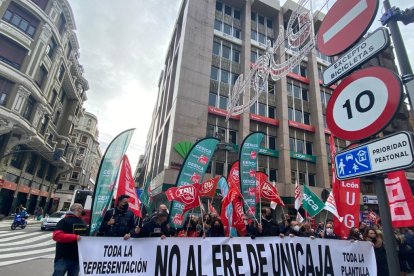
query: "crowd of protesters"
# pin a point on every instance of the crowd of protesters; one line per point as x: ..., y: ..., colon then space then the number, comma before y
x: 120, y: 222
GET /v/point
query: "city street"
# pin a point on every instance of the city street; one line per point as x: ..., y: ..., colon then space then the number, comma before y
x: 28, y: 251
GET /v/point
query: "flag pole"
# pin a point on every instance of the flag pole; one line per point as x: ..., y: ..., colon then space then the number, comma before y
x: 202, y: 215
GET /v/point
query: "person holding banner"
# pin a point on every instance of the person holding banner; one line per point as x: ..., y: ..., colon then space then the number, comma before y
x: 379, y: 250
x: 268, y: 227
x: 329, y: 232
x: 119, y: 221
x: 66, y: 235
x: 154, y: 228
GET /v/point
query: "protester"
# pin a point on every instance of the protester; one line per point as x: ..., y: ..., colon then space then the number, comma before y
x: 217, y: 229
x: 403, y: 252
x: 119, y: 221
x: 409, y: 239
x: 66, y: 235
x: 268, y: 227
x: 354, y: 234
x: 380, y: 254
x: 284, y: 226
x: 155, y: 228
x: 190, y: 228
x: 328, y: 233
x: 306, y: 231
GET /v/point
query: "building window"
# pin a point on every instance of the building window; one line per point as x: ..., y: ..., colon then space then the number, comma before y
x: 236, y: 56
x: 27, y: 113
x: 84, y: 139
x: 227, y: 29
x: 216, y: 48
x: 272, y: 142
x: 11, y: 53
x: 41, y: 3
x: 223, y: 102
x: 273, y: 175
x: 262, y: 109
x: 219, y: 6
x: 41, y: 76
x: 232, y: 136
x: 269, y: 23
x: 74, y: 175
x: 56, y: 118
x: 214, y: 73
x: 61, y: 25
x: 5, y: 90
x: 71, y: 187
x: 31, y: 164
x: 306, y: 118
x: 42, y: 169
x: 61, y: 72
x: 225, y: 75
x: 62, y: 96
x: 217, y: 25
x: 68, y: 50
x: 81, y: 150
x: 272, y: 112
x: 21, y: 19
x: 78, y: 162
x: 226, y: 52
x: 53, y: 97
x: 212, y: 99
x: 59, y: 187
x: 17, y: 158
x: 44, y: 124
x: 219, y: 168
x: 309, y: 148
x: 51, y: 48
x: 311, y: 180
x: 227, y: 10
x: 237, y: 14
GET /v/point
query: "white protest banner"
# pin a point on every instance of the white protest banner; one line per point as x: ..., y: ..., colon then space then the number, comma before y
x: 225, y: 256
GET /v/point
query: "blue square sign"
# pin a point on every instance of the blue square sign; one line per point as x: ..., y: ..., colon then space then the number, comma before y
x: 353, y: 162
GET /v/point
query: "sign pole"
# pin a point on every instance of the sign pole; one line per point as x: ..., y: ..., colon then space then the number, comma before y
x: 390, y: 243
x: 400, y: 52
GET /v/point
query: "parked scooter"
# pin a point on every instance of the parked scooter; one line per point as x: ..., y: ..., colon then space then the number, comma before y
x: 19, y: 221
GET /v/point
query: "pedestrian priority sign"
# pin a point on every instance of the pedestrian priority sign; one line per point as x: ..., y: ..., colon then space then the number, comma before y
x: 394, y: 152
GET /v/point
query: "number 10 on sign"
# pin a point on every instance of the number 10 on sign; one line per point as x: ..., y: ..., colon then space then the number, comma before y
x: 364, y: 103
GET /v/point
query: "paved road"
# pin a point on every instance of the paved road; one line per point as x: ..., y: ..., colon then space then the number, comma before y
x: 23, y: 245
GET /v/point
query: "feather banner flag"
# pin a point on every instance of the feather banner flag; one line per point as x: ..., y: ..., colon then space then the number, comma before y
x: 192, y: 171
x: 106, y: 179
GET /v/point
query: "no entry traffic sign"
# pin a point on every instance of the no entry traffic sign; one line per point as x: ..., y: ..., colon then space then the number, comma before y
x: 344, y: 24
x: 364, y: 103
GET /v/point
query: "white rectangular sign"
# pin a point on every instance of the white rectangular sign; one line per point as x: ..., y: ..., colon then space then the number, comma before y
x: 357, y: 55
x: 225, y: 256
x: 394, y: 152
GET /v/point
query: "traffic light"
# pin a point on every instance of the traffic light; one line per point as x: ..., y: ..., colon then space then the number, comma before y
x: 57, y: 154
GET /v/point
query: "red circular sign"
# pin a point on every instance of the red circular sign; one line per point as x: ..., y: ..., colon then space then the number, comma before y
x: 344, y: 24
x: 364, y: 103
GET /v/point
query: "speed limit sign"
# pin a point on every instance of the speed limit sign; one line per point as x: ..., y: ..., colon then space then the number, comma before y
x: 364, y: 103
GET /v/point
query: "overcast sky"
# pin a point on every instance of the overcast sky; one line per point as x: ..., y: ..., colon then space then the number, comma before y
x: 123, y: 44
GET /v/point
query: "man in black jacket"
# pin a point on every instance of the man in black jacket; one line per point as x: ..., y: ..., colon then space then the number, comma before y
x: 268, y: 227
x: 119, y: 221
x: 155, y: 227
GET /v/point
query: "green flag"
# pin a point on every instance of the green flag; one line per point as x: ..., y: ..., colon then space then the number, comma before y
x: 311, y: 202
x: 145, y: 196
x: 106, y: 179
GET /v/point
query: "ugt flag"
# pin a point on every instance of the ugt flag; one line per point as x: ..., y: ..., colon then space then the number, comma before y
x: 311, y: 202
